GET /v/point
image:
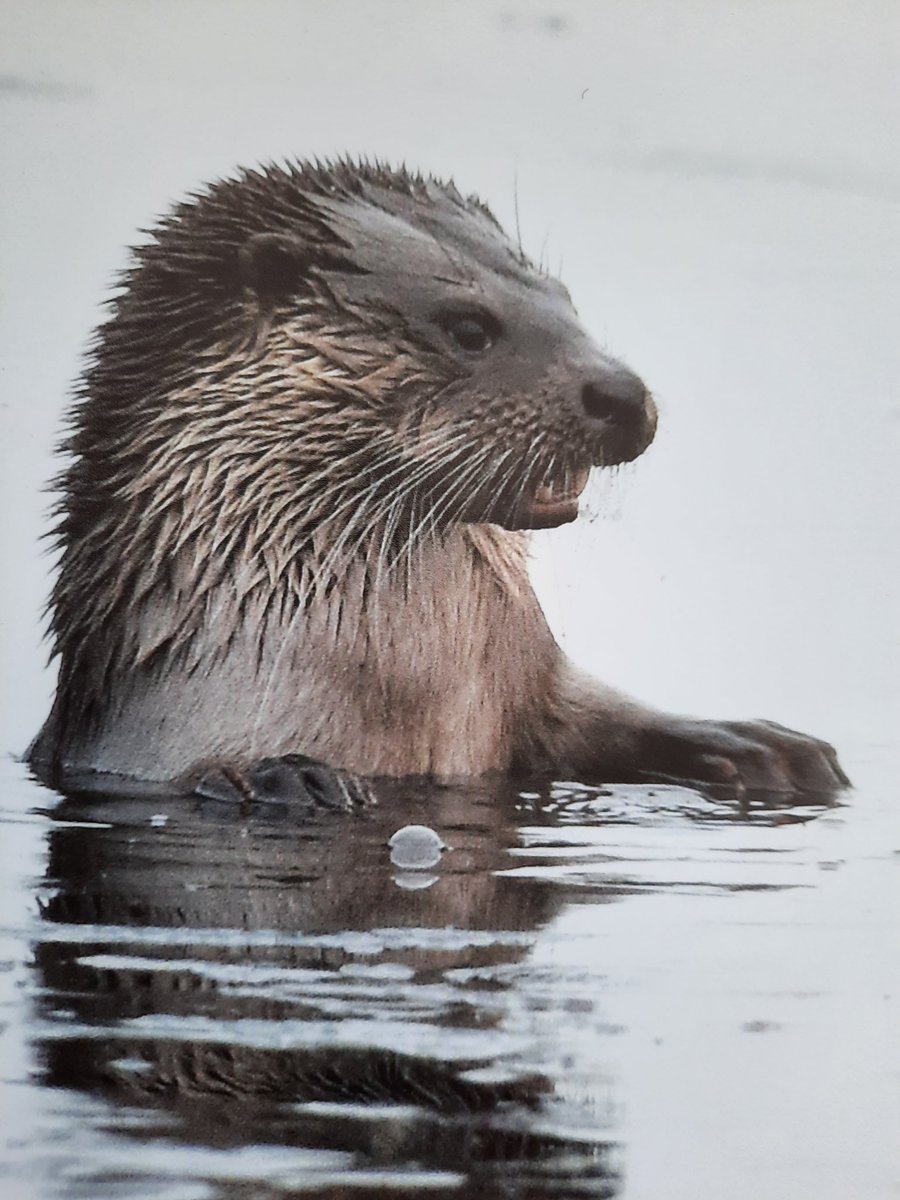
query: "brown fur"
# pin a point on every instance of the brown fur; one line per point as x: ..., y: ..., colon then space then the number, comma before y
x: 293, y: 517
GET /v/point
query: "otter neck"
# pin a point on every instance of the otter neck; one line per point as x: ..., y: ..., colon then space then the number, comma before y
x: 421, y: 673
x: 426, y: 669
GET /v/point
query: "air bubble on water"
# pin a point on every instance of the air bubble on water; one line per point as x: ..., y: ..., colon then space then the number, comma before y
x: 416, y: 848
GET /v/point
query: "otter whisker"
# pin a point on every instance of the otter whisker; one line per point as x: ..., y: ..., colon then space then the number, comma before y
x: 461, y: 460
x: 409, y: 478
x: 406, y: 489
x: 431, y: 514
x: 444, y: 457
x: 325, y: 402
x: 395, y: 455
x: 467, y: 472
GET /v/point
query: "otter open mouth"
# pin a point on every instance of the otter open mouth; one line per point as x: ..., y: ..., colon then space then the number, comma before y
x: 554, y: 501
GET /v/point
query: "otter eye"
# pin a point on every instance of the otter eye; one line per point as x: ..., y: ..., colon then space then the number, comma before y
x: 472, y: 331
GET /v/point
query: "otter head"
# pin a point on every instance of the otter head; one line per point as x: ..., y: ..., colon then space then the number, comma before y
x: 311, y: 363
x: 488, y: 399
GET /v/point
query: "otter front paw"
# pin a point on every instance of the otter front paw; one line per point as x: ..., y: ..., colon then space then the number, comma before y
x: 744, y: 756
x: 293, y: 780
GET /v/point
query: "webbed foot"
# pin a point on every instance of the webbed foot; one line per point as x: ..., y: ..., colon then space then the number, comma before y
x: 291, y: 780
x: 742, y: 756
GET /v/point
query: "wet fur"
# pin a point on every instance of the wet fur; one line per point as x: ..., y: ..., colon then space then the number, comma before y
x: 290, y: 519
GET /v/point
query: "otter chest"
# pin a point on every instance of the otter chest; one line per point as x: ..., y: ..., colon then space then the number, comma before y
x: 438, y: 686
x: 432, y: 675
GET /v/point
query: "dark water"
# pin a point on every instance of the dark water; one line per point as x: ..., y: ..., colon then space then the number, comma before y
x: 596, y: 992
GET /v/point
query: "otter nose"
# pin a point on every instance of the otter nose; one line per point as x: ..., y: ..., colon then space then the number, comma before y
x: 618, y: 411
x: 616, y: 398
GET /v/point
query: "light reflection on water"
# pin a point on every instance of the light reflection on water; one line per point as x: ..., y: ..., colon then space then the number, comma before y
x: 223, y: 1005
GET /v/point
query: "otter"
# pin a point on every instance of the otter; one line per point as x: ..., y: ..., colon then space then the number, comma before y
x: 328, y: 405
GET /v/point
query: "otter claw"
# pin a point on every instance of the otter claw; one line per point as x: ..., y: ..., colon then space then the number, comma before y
x: 292, y: 780
x: 743, y: 756
x: 296, y: 779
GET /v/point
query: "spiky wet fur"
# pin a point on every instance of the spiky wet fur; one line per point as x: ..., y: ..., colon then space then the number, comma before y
x: 253, y: 561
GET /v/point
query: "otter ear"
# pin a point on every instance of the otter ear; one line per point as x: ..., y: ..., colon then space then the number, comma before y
x: 273, y: 265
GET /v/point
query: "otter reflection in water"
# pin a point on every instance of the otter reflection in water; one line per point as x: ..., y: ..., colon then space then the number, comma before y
x: 245, y: 982
x: 329, y: 404
x: 253, y: 983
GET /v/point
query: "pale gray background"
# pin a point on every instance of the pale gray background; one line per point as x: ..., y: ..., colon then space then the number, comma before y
x: 718, y: 183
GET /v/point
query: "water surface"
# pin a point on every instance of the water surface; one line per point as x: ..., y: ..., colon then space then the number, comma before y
x: 593, y: 990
